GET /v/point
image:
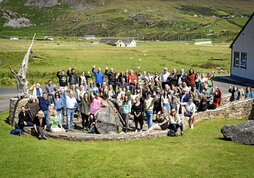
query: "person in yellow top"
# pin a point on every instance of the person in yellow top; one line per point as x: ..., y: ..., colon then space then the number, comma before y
x: 55, y: 122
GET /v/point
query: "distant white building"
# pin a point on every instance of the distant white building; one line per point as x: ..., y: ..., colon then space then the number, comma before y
x: 120, y: 42
x: 48, y: 38
x: 90, y: 37
x: 242, y: 52
x: 14, y: 38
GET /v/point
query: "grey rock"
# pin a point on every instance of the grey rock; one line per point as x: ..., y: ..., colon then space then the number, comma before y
x: 108, y: 120
x: 241, y: 133
x: 41, y: 3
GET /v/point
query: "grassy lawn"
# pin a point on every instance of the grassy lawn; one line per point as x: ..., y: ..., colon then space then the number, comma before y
x: 200, y: 153
x: 150, y: 56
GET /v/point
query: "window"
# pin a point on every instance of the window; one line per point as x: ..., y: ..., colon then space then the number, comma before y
x: 236, y: 59
x: 243, y: 60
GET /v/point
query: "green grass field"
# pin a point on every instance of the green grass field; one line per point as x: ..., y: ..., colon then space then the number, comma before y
x: 200, y: 153
x: 150, y: 56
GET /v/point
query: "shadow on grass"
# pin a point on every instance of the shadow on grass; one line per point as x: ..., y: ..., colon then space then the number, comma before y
x: 223, y: 139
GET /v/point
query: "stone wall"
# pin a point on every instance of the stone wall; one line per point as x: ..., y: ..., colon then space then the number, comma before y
x: 14, y: 109
x: 231, y: 110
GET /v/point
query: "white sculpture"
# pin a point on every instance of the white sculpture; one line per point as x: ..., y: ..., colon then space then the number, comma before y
x: 21, y: 76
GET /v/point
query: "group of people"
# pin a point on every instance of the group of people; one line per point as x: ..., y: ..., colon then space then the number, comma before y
x: 163, y: 100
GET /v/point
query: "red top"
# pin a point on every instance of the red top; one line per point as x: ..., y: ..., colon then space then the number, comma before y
x: 191, y: 79
x: 132, y: 78
x: 217, y: 98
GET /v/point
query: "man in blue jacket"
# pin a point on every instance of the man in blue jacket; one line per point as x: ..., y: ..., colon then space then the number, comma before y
x: 99, y: 77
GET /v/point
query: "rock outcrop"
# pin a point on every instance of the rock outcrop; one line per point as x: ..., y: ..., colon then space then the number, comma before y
x: 15, y: 20
x: 41, y: 3
x: 241, y: 133
x: 108, y: 120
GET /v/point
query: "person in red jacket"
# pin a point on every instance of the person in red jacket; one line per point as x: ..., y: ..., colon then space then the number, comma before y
x: 191, y: 77
x: 216, y: 99
x: 132, y: 79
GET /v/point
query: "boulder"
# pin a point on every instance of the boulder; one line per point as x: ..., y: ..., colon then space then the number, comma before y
x: 241, y: 133
x: 108, y: 120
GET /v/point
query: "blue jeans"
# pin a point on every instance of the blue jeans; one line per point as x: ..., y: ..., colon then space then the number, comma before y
x: 176, y: 126
x: 60, y: 114
x: 167, y: 106
x: 70, y: 116
x: 149, y: 118
x: 46, y: 115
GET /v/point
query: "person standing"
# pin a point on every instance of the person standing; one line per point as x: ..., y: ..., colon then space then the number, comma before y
x: 126, y: 110
x: 181, y: 77
x: 137, y: 111
x: 36, y: 90
x: 99, y: 76
x: 191, y: 77
x: 84, y: 109
x: 73, y: 78
x: 71, y: 105
x: 164, y: 77
x: 59, y: 106
x: 50, y: 89
x: 62, y: 78
x: 44, y: 105
x: 149, y: 103
x: 132, y: 80
x: 111, y: 77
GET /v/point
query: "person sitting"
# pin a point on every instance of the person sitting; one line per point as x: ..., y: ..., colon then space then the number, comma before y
x: 24, y: 118
x: 95, y: 106
x: 202, y: 103
x: 190, y: 109
x: 235, y: 93
x: 216, y: 99
x: 163, y: 121
x: 248, y: 93
x: 175, y: 121
x: 55, y: 122
x: 40, y: 125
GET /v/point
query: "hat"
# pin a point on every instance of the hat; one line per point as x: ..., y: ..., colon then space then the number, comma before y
x: 40, y: 114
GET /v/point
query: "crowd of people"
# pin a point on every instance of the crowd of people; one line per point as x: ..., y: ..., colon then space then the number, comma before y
x: 162, y: 100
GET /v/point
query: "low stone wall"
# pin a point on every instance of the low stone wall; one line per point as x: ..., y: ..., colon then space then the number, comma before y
x: 241, y: 109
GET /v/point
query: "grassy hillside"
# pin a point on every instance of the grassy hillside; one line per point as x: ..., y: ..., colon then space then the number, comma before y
x: 143, y: 19
x: 51, y: 56
x: 200, y: 153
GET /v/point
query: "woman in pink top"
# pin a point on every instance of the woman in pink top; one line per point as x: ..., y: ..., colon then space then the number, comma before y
x: 95, y: 106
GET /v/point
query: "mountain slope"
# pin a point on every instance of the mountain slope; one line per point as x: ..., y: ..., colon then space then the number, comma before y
x: 144, y: 19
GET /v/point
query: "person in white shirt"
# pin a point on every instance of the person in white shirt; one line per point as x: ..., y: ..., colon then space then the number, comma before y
x: 164, y: 77
x: 71, y: 105
x: 175, y: 121
x: 190, y: 109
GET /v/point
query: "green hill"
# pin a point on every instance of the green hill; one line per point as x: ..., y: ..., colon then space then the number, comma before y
x: 143, y: 19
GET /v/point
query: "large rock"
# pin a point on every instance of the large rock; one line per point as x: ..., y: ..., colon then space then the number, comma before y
x: 108, y: 120
x: 241, y: 133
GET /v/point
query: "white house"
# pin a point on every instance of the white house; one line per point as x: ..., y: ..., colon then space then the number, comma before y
x: 120, y: 42
x: 48, y: 38
x: 242, y: 53
x: 90, y: 37
x: 14, y: 38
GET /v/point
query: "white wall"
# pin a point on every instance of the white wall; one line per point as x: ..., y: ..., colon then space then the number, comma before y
x: 245, y: 43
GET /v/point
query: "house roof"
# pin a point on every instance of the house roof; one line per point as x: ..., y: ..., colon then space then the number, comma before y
x: 241, y: 30
x: 114, y: 40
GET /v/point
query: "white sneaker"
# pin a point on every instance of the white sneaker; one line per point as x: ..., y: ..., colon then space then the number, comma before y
x: 192, y: 126
x: 136, y: 130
